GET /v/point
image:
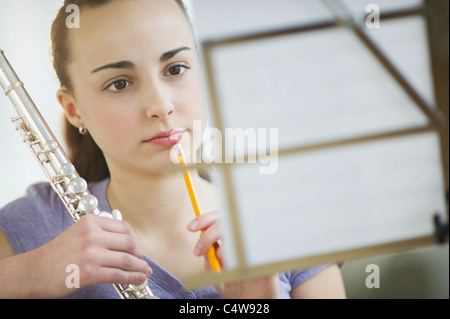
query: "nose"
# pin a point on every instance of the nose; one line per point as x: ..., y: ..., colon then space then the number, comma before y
x: 162, y: 113
x: 158, y: 105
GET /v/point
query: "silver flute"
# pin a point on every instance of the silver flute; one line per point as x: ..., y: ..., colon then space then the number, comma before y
x: 61, y: 174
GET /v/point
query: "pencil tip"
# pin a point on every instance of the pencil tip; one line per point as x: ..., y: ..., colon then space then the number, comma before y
x: 178, y: 149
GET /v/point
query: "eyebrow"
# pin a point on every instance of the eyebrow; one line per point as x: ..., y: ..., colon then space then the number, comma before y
x: 170, y: 54
x: 117, y: 65
x: 130, y: 65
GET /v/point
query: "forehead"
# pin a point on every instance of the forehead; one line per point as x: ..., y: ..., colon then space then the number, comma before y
x: 129, y: 27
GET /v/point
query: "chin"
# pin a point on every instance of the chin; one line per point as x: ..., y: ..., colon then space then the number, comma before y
x: 159, y: 165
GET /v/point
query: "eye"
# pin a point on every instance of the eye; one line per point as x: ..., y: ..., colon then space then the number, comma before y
x: 177, y: 70
x: 118, y: 85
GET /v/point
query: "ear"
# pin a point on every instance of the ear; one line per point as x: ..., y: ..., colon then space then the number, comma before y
x: 68, y: 103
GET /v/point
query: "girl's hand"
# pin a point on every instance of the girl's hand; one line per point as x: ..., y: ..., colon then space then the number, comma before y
x: 262, y: 288
x: 105, y: 251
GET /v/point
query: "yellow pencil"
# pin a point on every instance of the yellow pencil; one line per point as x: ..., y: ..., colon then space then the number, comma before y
x: 213, y: 261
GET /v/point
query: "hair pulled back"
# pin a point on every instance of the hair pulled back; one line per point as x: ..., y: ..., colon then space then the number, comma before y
x: 82, y: 150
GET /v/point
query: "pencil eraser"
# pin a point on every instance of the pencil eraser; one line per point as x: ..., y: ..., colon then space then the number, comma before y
x: 178, y: 149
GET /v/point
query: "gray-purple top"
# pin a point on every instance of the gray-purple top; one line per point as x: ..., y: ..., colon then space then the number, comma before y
x: 39, y: 216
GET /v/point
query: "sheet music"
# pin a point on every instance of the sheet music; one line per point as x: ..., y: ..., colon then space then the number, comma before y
x: 314, y: 87
x: 319, y: 87
x: 341, y: 198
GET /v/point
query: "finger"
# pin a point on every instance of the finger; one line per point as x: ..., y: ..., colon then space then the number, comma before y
x: 219, y: 255
x: 207, y: 263
x: 204, y: 221
x: 118, y: 276
x: 207, y: 239
x: 114, y: 226
x: 113, y: 268
x: 93, y: 222
x: 126, y: 239
x: 125, y: 262
x: 126, y: 243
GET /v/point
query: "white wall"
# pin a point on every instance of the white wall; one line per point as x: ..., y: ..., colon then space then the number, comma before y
x: 24, y: 38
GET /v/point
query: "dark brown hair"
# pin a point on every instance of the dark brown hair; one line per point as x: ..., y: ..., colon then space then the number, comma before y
x: 82, y: 150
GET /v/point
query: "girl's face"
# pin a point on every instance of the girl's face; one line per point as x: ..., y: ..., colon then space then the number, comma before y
x: 135, y: 75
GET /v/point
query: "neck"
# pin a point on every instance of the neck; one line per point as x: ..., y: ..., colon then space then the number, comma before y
x: 151, y: 203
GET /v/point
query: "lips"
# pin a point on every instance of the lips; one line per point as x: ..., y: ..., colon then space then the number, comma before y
x: 168, y: 138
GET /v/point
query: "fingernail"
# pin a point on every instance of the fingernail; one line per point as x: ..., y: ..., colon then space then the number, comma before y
x: 140, y: 278
x: 193, y: 225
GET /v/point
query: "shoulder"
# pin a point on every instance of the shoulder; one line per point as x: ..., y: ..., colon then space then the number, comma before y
x: 34, y: 218
x: 291, y: 280
x: 326, y: 283
x: 298, y: 277
x: 38, y: 198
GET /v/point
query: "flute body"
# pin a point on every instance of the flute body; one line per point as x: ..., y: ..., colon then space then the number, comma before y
x: 60, y: 172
